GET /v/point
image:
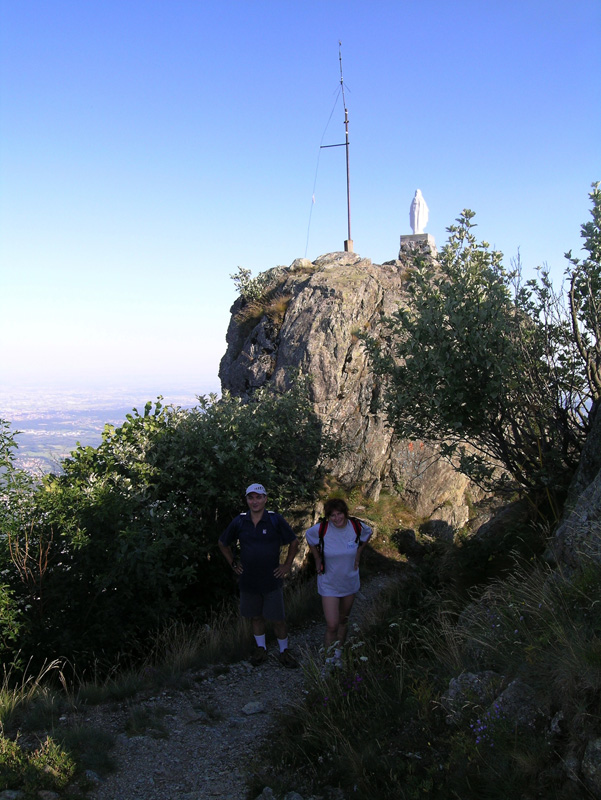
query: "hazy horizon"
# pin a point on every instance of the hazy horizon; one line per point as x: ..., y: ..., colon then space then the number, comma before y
x: 50, y: 422
x: 100, y: 390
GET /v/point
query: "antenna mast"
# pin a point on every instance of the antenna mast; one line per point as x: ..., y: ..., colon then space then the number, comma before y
x: 348, y: 245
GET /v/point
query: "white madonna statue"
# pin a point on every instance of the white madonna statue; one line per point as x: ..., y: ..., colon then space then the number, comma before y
x: 418, y: 214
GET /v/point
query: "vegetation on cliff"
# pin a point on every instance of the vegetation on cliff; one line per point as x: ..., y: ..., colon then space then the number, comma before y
x: 502, y: 372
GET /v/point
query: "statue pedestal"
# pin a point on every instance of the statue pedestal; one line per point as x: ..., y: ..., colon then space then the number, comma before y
x: 417, y: 241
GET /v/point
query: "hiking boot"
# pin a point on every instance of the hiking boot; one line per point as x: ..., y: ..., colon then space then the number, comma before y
x: 287, y: 659
x: 258, y: 657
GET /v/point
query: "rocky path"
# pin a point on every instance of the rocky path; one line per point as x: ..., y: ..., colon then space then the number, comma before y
x: 213, y: 731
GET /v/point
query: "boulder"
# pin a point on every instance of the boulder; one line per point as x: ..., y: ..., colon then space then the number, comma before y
x: 578, y: 535
x: 591, y: 766
x: 311, y: 321
x: 469, y: 691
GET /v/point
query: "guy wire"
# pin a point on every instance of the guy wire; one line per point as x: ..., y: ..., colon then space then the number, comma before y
x: 317, y: 167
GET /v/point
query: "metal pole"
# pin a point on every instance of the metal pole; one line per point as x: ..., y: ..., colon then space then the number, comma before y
x: 348, y: 245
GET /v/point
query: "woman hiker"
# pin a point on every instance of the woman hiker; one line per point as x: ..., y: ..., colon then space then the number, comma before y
x: 337, y: 543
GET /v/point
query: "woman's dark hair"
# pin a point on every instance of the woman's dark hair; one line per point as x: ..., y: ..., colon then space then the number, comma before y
x: 335, y: 504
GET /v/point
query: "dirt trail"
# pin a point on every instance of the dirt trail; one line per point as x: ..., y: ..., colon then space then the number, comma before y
x: 211, y: 737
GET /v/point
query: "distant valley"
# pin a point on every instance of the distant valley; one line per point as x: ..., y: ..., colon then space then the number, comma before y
x: 51, y: 423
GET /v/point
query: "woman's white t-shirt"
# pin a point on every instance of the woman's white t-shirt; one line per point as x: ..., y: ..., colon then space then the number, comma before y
x: 340, y: 548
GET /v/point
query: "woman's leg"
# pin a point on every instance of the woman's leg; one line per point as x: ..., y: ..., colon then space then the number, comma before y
x: 336, y: 610
x: 346, y: 603
x: 331, y: 611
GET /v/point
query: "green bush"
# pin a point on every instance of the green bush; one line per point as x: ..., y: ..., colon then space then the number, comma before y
x: 16, y: 507
x: 48, y: 767
x: 249, y: 288
x: 13, y: 763
x: 500, y: 373
x: 125, y: 539
x: 10, y: 624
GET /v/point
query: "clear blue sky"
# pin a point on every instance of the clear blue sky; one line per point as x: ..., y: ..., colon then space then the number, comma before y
x: 149, y: 147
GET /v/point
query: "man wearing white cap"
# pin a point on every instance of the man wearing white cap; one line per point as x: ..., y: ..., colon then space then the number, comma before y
x: 260, y: 535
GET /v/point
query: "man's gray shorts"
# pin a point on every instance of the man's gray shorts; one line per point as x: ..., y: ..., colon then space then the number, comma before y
x: 269, y: 606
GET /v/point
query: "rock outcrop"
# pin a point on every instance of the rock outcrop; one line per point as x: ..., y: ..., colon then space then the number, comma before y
x: 310, y: 320
x: 578, y: 536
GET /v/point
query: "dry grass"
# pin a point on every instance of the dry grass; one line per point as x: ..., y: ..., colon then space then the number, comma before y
x: 273, y: 306
x: 15, y: 698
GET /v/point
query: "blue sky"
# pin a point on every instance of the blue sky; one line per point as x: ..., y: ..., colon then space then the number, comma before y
x: 150, y: 147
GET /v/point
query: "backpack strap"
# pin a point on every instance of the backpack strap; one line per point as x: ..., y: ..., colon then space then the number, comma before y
x: 356, y: 523
x: 323, y: 526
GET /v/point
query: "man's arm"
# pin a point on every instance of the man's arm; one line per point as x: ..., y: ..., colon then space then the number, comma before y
x: 284, y: 569
x: 228, y: 554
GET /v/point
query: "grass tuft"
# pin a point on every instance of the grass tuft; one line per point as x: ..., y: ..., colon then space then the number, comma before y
x: 273, y: 306
x: 144, y: 720
x: 116, y: 687
x: 17, y: 695
x: 90, y: 747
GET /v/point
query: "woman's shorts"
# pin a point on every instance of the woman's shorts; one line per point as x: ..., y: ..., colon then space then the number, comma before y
x: 270, y: 605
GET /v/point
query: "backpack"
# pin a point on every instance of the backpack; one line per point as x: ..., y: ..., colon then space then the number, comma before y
x: 323, y: 526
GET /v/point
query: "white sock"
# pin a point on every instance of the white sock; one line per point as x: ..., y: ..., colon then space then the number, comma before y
x: 283, y: 643
x: 338, y: 654
x: 260, y: 640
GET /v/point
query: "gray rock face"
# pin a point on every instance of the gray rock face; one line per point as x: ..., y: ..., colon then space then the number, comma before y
x: 590, y: 459
x: 591, y: 766
x: 518, y: 703
x: 310, y: 322
x: 468, y: 691
x: 578, y: 535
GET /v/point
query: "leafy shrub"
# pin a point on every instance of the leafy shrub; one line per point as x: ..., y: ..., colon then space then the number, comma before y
x: 125, y: 539
x: 13, y: 763
x: 502, y: 373
x: 10, y: 627
x: 250, y: 288
x: 47, y: 767
x: 585, y: 290
x: 16, y: 504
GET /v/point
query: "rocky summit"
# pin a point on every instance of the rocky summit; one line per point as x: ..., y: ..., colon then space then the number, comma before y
x: 308, y: 320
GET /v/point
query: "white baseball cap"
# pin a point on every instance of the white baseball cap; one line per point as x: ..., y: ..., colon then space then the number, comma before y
x: 258, y: 488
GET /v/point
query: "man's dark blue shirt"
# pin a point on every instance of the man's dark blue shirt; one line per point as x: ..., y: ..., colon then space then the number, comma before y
x: 259, y: 549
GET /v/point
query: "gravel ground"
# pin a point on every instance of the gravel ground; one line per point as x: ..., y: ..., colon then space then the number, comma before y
x: 213, y: 730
